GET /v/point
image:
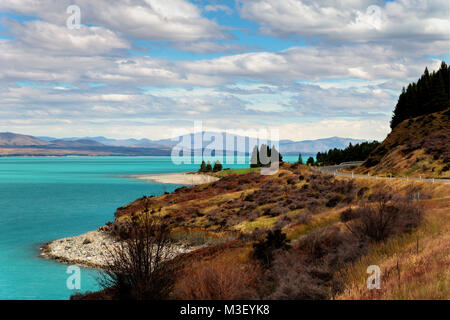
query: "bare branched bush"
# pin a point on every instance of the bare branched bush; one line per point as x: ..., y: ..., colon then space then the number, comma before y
x: 264, y: 250
x: 303, y: 217
x: 282, y: 222
x: 293, y: 279
x: 139, y: 267
x: 384, y: 217
x: 308, y: 270
x: 349, y: 214
x: 217, y: 280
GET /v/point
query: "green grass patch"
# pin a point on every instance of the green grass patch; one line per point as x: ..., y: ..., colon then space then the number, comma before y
x: 264, y: 222
x: 224, y: 173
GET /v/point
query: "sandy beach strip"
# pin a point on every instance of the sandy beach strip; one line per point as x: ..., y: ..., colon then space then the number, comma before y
x: 185, y: 178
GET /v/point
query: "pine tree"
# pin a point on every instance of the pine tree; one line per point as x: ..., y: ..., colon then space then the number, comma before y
x: 276, y: 155
x: 431, y: 93
x: 217, y: 166
x: 310, y: 161
x: 300, y: 160
x: 209, y: 167
x: 202, y: 167
x: 264, y: 155
x: 254, y: 161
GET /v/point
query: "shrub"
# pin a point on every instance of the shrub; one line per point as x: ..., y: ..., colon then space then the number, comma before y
x: 303, y: 217
x: 282, y: 222
x: 349, y: 214
x: 386, y: 217
x: 333, y: 201
x: 308, y: 271
x: 293, y: 279
x: 217, y: 280
x: 263, y: 250
x: 139, y: 267
x: 274, y: 212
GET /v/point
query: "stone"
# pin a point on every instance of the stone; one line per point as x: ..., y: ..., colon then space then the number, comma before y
x: 88, y: 240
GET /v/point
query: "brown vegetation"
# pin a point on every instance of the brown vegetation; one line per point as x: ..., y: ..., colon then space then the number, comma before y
x: 139, y: 268
x: 217, y: 280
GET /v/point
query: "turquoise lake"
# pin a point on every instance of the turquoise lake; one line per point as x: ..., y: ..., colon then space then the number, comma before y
x: 46, y: 198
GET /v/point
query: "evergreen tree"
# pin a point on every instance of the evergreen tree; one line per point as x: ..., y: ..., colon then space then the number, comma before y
x: 202, y: 167
x: 276, y: 155
x: 254, y: 161
x: 264, y: 155
x: 310, y: 161
x: 431, y: 93
x: 217, y: 166
x: 357, y: 152
x: 300, y: 160
x: 209, y: 167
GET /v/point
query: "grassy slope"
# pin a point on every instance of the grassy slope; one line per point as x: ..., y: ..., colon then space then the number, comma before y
x: 413, y: 266
x: 416, y: 147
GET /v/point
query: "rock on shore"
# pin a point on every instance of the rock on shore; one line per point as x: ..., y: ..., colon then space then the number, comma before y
x: 90, y: 249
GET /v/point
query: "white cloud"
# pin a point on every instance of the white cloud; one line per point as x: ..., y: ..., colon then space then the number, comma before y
x: 401, y: 21
x: 55, y: 39
x: 141, y: 19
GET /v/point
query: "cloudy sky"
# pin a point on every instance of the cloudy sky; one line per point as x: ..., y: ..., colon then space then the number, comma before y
x: 140, y: 68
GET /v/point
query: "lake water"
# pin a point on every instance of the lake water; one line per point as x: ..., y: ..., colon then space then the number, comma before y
x: 46, y: 198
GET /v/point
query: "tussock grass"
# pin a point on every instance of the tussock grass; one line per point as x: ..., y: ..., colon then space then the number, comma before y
x: 413, y: 266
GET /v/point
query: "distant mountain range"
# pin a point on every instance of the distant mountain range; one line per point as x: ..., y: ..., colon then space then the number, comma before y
x: 13, y: 144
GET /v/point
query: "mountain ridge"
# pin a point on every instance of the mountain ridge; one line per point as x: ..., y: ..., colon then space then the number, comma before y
x: 18, y: 144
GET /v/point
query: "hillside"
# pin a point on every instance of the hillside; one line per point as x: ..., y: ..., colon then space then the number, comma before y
x: 12, y: 144
x: 13, y: 140
x: 417, y: 147
x: 321, y: 223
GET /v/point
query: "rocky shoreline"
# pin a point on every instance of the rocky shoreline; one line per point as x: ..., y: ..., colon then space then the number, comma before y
x: 89, y: 250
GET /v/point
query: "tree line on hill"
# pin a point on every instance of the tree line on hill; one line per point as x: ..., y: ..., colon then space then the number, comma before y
x: 262, y: 157
x: 429, y: 94
x: 357, y: 152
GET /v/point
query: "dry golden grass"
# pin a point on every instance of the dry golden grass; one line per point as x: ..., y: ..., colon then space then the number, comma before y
x: 413, y: 266
x: 320, y: 220
x: 403, y: 187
